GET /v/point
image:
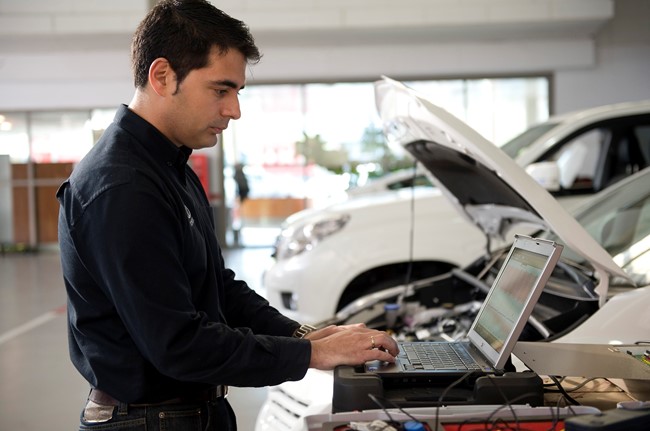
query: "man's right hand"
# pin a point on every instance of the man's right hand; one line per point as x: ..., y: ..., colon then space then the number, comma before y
x: 349, y: 345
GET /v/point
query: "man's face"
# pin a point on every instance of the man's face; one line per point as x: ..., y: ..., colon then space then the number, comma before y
x: 206, y: 101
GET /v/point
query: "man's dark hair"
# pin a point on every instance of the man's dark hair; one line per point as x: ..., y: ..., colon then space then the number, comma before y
x: 184, y: 32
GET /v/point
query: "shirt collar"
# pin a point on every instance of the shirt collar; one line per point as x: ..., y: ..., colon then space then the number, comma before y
x: 154, y: 142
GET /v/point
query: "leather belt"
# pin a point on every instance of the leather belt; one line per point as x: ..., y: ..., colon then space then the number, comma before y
x: 221, y: 391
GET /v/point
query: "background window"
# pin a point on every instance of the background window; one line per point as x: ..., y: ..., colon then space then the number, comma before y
x: 315, y: 141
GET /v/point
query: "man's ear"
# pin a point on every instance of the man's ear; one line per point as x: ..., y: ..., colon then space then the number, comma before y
x: 162, y: 77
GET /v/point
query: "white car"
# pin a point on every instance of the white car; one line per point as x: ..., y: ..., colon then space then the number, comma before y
x: 396, y: 180
x: 599, y: 291
x: 325, y: 259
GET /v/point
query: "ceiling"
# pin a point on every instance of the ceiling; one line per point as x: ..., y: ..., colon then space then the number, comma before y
x: 344, y: 25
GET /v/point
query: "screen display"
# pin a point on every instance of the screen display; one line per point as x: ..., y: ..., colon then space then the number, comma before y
x: 509, y: 296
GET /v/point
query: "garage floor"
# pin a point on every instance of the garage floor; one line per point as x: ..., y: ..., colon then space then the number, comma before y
x: 39, y: 387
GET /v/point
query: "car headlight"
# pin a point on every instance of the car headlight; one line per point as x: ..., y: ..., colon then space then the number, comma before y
x: 293, y: 241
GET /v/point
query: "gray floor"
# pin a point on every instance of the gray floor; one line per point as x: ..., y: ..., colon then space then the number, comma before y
x: 39, y: 387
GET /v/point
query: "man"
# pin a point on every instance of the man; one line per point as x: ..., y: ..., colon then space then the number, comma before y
x: 157, y: 324
x: 242, y: 183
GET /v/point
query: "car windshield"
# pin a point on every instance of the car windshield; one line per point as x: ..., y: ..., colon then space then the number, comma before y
x: 519, y: 143
x: 417, y: 181
x: 617, y: 220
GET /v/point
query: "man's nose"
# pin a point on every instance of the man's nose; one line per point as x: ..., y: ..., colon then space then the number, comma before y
x: 231, y: 109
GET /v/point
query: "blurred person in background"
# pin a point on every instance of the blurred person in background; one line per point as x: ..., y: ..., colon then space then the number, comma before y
x: 242, y: 183
x: 242, y: 188
x: 158, y: 325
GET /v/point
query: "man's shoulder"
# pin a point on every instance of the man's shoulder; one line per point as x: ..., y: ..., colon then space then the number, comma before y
x: 110, y: 163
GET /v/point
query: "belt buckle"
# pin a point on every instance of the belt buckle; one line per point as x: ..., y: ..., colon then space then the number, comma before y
x: 97, y: 413
x: 219, y: 391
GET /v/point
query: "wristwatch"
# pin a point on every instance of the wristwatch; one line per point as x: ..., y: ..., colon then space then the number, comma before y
x: 302, y: 331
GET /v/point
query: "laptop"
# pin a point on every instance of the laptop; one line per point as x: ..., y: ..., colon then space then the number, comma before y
x: 497, y: 326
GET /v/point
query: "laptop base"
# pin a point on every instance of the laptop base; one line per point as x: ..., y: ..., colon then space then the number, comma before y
x: 352, y: 387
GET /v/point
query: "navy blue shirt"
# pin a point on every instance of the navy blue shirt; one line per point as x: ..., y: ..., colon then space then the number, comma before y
x: 153, y: 312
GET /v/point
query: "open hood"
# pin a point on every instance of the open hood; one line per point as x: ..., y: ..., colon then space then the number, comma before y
x: 483, y: 182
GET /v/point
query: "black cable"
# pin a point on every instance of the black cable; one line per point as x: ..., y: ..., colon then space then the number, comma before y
x: 555, y: 419
x: 509, y: 405
x: 486, y: 421
x: 570, y: 408
x: 408, y: 275
x: 490, y: 424
x: 409, y: 268
x: 563, y: 391
x: 447, y: 389
x: 561, y: 379
x: 566, y: 390
x: 581, y: 385
x: 377, y: 401
x: 500, y: 424
x: 558, y: 416
x: 505, y: 399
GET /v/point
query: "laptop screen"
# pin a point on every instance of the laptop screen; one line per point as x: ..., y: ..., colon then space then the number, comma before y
x: 509, y: 297
x: 512, y: 297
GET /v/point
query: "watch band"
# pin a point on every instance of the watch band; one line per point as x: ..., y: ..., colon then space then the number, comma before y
x: 302, y: 331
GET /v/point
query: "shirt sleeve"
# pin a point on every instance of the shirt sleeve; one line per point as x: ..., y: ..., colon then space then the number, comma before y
x: 247, y: 308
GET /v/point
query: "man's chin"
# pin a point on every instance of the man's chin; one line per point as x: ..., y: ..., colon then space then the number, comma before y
x: 206, y: 143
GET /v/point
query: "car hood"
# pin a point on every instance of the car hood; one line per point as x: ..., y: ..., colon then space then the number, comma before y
x: 362, y: 201
x: 481, y: 181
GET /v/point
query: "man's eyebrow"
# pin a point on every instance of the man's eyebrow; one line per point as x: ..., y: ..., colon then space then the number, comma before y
x: 228, y: 83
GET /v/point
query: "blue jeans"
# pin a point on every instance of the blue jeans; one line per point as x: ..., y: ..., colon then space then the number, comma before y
x: 200, y: 416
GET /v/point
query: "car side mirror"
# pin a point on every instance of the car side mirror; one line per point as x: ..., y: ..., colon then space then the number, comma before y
x: 547, y: 174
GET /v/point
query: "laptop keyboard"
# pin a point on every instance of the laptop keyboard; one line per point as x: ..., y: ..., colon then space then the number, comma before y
x: 438, y: 356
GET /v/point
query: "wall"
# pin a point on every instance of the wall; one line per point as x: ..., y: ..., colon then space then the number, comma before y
x: 47, y: 177
x: 6, y: 216
x: 74, y: 53
x: 621, y: 69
